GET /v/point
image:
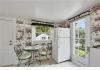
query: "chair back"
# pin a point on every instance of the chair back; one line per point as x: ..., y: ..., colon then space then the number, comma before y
x: 18, y: 51
x: 44, y: 47
x: 49, y: 46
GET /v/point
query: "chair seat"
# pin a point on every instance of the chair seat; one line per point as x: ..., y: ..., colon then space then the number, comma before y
x: 25, y: 56
x: 43, y: 53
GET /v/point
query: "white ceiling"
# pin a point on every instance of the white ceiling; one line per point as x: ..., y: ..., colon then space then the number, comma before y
x: 45, y: 10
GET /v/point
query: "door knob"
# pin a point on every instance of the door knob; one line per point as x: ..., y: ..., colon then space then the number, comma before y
x: 88, y: 49
x: 10, y: 42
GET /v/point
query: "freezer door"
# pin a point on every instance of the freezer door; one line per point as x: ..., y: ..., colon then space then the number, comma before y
x: 63, y: 49
x: 63, y: 32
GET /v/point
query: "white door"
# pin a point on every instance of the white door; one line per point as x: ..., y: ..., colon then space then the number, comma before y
x: 7, y: 41
x: 80, y: 41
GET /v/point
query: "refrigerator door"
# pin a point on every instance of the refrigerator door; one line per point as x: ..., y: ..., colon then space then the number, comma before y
x: 55, y: 50
x: 63, y: 49
x: 63, y: 32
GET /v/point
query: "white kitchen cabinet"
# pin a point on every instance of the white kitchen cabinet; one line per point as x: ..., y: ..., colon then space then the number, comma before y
x: 7, y: 41
x: 94, y: 57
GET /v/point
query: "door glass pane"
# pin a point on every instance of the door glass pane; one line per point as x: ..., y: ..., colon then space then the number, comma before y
x: 76, y: 47
x: 76, y: 30
x: 81, y: 33
x: 81, y: 28
x: 80, y: 38
x: 82, y: 47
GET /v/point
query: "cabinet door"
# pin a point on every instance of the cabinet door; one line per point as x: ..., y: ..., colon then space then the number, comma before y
x: 95, y: 57
x: 7, y: 36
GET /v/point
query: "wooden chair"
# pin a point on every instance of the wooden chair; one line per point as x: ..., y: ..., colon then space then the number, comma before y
x: 43, y: 52
x: 49, y: 49
x: 22, y: 55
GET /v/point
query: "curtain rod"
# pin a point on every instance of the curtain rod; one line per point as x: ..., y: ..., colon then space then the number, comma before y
x: 41, y: 21
x: 50, y: 25
x: 83, y: 14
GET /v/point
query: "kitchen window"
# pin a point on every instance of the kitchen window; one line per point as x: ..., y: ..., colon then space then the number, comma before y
x: 40, y: 33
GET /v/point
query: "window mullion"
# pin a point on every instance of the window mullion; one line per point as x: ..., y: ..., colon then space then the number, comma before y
x: 78, y: 39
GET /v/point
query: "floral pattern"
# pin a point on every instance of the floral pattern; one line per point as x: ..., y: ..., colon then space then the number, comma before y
x: 23, y: 34
x: 95, y: 27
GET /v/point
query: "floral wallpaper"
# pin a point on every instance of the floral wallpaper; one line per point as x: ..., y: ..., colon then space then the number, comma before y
x: 95, y: 27
x: 23, y: 33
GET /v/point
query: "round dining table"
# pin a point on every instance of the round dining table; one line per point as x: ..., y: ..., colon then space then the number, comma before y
x: 32, y: 50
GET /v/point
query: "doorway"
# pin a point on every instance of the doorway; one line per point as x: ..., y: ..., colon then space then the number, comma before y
x: 79, y: 47
x: 7, y: 42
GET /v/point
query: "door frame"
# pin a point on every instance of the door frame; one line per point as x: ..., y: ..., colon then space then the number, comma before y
x: 73, y: 58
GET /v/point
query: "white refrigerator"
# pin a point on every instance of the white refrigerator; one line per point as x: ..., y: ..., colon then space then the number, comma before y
x: 61, y: 48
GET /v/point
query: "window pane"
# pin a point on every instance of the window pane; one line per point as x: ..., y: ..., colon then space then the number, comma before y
x: 76, y: 30
x: 80, y: 38
x: 42, y: 32
x: 47, y: 29
x: 37, y: 34
x: 81, y: 28
x: 76, y: 33
x: 81, y: 33
x: 76, y: 47
x: 76, y: 51
x: 38, y: 29
x: 82, y: 47
x: 42, y: 29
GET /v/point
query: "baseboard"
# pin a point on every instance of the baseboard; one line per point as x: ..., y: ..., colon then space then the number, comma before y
x: 10, y: 65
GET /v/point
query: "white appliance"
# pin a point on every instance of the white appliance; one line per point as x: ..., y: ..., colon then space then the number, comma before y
x: 61, y: 48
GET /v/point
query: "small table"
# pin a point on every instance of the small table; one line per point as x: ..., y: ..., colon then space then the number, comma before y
x: 32, y: 50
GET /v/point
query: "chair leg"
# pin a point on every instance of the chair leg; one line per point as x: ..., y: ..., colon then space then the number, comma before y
x: 47, y: 57
x: 40, y: 59
x: 19, y: 62
x: 40, y: 62
x: 29, y: 62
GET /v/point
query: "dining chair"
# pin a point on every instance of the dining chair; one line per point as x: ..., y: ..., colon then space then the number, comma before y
x: 49, y: 49
x: 36, y: 52
x: 43, y: 52
x: 22, y: 56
